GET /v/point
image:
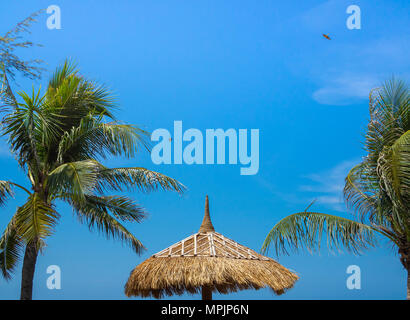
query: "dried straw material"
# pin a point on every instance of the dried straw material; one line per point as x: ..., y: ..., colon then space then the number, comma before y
x: 207, y: 260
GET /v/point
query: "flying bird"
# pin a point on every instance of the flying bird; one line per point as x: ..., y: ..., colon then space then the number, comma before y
x: 326, y: 36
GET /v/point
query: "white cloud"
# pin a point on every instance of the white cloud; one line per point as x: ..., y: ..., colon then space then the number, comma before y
x: 325, y: 16
x: 362, y: 68
x: 345, y: 90
x: 327, y: 186
x: 346, y: 68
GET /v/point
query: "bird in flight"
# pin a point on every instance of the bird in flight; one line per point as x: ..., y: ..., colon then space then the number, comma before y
x: 326, y: 36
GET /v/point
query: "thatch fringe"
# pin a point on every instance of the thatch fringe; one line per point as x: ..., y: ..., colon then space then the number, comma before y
x: 165, y: 276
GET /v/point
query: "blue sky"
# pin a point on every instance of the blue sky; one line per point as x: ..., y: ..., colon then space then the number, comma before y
x: 225, y: 64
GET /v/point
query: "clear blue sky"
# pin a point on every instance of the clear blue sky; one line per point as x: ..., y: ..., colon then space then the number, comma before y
x: 225, y: 64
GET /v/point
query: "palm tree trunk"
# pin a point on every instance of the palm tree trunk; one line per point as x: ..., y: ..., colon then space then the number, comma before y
x: 408, y: 281
x: 404, y: 252
x: 29, y: 266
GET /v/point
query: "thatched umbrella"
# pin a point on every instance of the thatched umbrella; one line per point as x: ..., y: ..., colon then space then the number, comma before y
x: 209, y: 262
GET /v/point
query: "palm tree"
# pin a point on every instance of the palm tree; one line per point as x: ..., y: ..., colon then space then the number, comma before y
x: 10, y: 63
x: 59, y: 139
x: 377, y: 189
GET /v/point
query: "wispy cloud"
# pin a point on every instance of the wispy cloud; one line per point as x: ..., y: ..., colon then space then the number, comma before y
x: 346, y: 89
x: 363, y: 66
x: 278, y: 192
x: 324, y: 16
x: 327, y: 186
x: 345, y: 69
x: 352, y: 77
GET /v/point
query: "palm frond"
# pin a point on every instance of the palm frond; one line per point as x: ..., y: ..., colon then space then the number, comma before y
x: 360, y: 191
x: 82, y: 178
x: 76, y: 178
x: 121, y: 207
x: 12, y: 41
x: 66, y: 70
x: 92, y: 139
x: 7, y: 98
x: 366, y: 191
x: 72, y: 97
x: 394, y: 172
x: 28, y: 128
x: 136, y: 178
x: 35, y: 220
x: 10, y: 250
x: 6, y: 191
x: 96, y: 215
x: 304, y: 231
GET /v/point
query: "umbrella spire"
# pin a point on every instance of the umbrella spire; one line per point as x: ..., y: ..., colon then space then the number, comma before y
x: 206, y: 225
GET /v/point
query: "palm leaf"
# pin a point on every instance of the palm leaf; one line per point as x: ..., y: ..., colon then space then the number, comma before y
x: 361, y: 192
x: 12, y: 41
x: 304, y: 230
x: 140, y: 178
x: 68, y: 69
x: 121, y: 207
x: 394, y: 171
x: 96, y: 215
x: 10, y: 250
x: 73, y: 97
x: 35, y: 220
x: 6, y: 191
x: 28, y: 129
x: 7, y: 97
x: 76, y: 178
x: 92, y: 139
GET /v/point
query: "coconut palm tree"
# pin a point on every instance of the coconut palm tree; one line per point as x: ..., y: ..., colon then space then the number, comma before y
x: 377, y: 190
x: 59, y: 139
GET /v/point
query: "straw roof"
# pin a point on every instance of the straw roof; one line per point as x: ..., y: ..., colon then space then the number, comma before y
x: 207, y: 259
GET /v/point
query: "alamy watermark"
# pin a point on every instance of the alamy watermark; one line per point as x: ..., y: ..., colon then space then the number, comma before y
x: 170, y: 150
x: 54, y: 20
x: 354, y: 20
x: 54, y: 281
x: 354, y: 281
